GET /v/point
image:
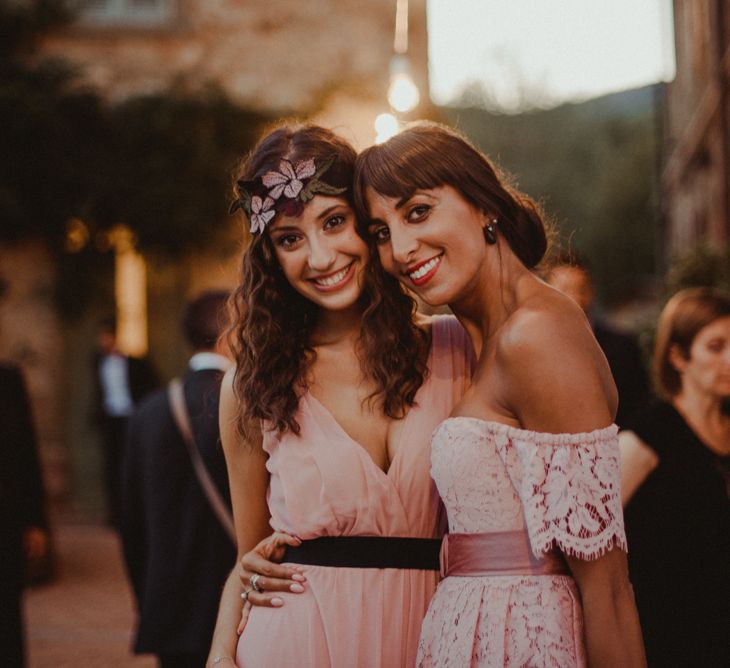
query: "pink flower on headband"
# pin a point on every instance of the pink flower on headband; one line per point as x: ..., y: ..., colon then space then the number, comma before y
x: 288, y: 179
x: 261, y: 213
x: 261, y: 202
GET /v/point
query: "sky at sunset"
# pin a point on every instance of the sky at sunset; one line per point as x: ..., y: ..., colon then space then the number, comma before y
x: 543, y: 52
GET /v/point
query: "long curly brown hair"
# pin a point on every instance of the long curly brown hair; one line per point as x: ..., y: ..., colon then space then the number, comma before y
x: 272, y: 323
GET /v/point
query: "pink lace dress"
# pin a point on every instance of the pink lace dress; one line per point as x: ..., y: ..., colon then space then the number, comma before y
x: 560, y: 490
x: 323, y: 483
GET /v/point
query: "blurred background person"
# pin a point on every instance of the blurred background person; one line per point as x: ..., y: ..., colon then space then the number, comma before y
x: 177, y: 552
x: 23, y: 527
x: 675, y: 479
x: 122, y: 382
x: 570, y: 273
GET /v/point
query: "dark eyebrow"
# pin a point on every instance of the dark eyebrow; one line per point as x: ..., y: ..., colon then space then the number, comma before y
x: 329, y: 210
x: 295, y: 228
x: 399, y: 205
x: 404, y: 200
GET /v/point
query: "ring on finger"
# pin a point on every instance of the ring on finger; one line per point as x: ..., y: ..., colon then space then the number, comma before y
x: 255, y: 583
x: 244, y: 595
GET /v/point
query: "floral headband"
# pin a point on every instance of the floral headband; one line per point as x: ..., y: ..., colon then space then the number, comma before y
x: 284, y: 191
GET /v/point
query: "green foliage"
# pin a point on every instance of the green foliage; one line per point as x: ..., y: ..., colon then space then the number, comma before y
x: 704, y: 266
x: 168, y: 167
x: 51, y: 143
x: 21, y: 21
x: 159, y: 164
x: 592, y: 166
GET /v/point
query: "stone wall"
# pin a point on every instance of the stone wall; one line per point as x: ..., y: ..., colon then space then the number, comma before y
x: 277, y: 56
x: 32, y: 336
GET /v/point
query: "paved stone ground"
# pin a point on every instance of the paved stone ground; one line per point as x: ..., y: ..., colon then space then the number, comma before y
x: 85, y: 618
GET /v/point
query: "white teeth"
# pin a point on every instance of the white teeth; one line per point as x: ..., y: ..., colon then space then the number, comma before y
x: 334, y: 279
x: 424, y: 269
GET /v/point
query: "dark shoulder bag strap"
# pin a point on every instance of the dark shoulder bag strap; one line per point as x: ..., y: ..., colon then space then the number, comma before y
x: 182, y: 420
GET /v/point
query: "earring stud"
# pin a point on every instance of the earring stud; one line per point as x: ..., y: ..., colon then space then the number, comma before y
x: 490, y: 233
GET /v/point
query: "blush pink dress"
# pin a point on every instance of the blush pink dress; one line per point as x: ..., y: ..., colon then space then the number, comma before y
x: 325, y: 484
x: 557, y: 490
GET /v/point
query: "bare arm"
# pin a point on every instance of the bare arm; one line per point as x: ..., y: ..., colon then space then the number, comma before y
x: 249, y: 479
x: 612, y: 629
x: 556, y: 381
x: 638, y: 460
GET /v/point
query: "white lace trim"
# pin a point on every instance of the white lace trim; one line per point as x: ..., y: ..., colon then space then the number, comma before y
x: 569, y: 485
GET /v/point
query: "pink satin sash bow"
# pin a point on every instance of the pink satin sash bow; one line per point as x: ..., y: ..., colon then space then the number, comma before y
x: 497, y: 553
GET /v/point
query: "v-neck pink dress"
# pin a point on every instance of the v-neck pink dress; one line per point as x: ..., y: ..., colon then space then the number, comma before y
x: 325, y: 484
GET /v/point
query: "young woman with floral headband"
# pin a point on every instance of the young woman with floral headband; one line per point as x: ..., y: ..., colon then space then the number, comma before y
x: 326, y: 422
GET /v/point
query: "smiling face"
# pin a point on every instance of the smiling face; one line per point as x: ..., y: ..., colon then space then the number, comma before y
x: 432, y: 242
x: 707, y: 367
x: 320, y: 252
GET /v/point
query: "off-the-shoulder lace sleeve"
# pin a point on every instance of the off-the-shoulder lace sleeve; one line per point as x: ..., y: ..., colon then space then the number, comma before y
x: 570, y: 487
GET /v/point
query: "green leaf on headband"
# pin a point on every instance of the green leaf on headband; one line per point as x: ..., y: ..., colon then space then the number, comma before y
x: 306, y: 193
x: 244, y: 199
x: 324, y: 166
x: 317, y: 187
x: 323, y: 188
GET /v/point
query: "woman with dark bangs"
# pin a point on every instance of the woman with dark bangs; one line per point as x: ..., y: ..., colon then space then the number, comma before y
x: 325, y: 425
x: 528, y: 463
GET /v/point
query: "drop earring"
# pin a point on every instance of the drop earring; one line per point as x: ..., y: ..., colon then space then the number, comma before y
x: 490, y: 234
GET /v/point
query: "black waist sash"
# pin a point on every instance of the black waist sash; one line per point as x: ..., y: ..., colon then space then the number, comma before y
x: 367, y: 552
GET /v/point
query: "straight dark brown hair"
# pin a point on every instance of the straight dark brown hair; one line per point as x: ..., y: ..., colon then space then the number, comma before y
x: 429, y: 155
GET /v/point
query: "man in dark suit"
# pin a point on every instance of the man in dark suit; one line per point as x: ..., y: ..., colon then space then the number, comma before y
x: 122, y: 382
x: 570, y: 273
x: 23, y: 528
x: 177, y: 553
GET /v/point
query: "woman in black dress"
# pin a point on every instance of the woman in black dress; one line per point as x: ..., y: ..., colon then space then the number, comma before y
x: 675, y: 477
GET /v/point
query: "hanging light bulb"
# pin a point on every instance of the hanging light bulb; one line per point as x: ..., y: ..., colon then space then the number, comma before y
x: 386, y: 125
x: 403, y: 95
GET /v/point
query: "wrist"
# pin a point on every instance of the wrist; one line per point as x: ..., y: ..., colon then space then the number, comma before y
x: 220, y: 660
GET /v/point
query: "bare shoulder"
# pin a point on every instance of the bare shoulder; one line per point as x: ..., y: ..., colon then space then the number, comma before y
x: 229, y: 415
x: 426, y: 323
x: 423, y: 320
x: 229, y: 403
x: 546, y: 323
x: 555, y: 376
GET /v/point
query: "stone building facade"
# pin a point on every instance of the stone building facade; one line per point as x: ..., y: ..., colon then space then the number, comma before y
x: 329, y: 57
x: 31, y: 336
x: 696, y: 178
x: 327, y: 60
